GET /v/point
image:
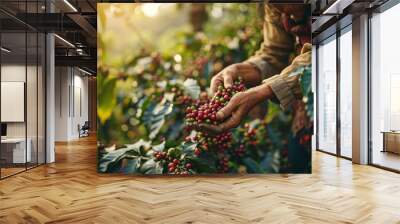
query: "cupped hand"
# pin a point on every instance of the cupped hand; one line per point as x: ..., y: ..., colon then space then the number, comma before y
x: 238, y: 107
x: 249, y: 73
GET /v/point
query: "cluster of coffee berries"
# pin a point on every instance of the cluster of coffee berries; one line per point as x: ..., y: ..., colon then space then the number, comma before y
x: 180, y: 97
x: 223, y: 164
x: 158, y: 156
x: 206, y: 112
x: 177, y: 166
x: 240, y: 150
x: 284, y: 152
x: 186, y: 100
x: 250, y: 135
x: 206, y: 142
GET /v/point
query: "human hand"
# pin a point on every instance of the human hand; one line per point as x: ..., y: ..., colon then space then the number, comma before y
x: 250, y: 75
x: 237, y: 109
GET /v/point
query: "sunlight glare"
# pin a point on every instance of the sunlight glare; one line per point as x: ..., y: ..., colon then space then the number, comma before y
x: 151, y: 9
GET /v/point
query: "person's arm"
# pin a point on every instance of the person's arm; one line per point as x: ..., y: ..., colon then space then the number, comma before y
x: 270, y: 59
x: 278, y: 44
x: 284, y: 87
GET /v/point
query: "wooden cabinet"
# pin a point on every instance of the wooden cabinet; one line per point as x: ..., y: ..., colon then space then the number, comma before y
x: 391, y: 142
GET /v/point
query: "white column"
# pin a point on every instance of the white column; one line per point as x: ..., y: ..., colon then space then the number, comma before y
x: 360, y: 90
x: 50, y: 93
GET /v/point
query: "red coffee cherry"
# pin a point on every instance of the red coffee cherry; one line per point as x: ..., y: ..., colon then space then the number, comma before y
x: 205, y: 109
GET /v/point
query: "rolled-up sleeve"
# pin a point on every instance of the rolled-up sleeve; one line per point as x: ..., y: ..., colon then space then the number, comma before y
x: 286, y: 85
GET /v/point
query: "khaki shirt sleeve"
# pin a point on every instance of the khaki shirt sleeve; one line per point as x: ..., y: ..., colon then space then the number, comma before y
x: 286, y: 86
x: 277, y: 46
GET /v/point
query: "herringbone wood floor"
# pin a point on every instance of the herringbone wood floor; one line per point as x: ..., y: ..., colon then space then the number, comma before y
x: 70, y: 191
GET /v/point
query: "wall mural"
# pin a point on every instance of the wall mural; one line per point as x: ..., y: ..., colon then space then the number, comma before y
x: 217, y: 88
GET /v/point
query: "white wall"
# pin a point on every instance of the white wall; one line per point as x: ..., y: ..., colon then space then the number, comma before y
x: 71, y: 102
x: 61, y: 103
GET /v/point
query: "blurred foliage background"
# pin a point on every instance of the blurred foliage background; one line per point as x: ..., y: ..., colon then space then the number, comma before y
x: 154, y: 58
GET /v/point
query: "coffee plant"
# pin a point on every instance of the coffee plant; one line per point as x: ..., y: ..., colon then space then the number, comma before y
x: 149, y: 104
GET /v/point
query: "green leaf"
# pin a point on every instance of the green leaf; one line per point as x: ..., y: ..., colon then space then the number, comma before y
x: 208, y: 69
x: 157, y: 123
x: 171, y: 143
x: 154, y: 116
x: 252, y: 166
x: 151, y: 167
x: 160, y: 147
x: 191, y: 88
x: 111, y: 160
x: 174, y: 152
x: 175, y: 130
x: 270, y: 164
x: 305, y: 80
x: 106, y: 100
x: 205, y: 163
x: 131, y: 166
x: 143, y: 104
x: 306, y: 88
x: 188, y: 148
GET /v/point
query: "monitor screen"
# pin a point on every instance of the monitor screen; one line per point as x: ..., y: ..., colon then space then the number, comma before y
x: 3, y: 129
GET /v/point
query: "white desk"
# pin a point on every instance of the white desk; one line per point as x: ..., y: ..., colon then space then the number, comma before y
x: 18, y: 144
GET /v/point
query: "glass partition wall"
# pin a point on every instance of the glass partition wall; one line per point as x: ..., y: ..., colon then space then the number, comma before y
x: 22, y: 98
x: 326, y: 59
x: 385, y: 89
x: 334, y: 94
x: 345, y: 92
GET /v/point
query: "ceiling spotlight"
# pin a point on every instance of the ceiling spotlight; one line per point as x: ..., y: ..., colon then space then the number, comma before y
x: 5, y: 50
x: 84, y: 71
x: 70, y: 5
x: 337, y: 7
x: 64, y: 40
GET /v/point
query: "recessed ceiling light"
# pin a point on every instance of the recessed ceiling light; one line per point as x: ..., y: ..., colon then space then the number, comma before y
x: 64, y: 40
x: 84, y: 71
x: 338, y: 6
x: 5, y: 50
x: 70, y: 5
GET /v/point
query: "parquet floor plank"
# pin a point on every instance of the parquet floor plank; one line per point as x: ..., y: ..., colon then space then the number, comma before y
x: 71, y: 191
